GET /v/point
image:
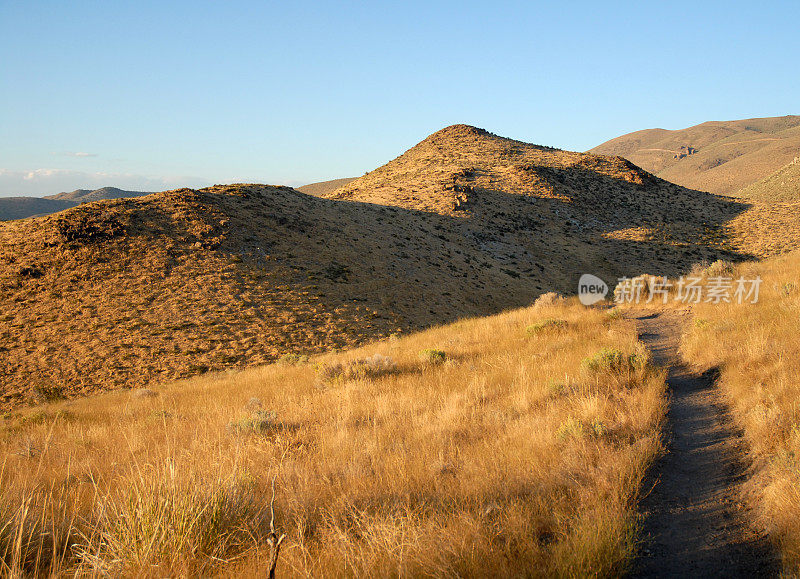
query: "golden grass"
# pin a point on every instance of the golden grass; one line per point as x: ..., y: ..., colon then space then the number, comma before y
x: 510, y: 457
x: 730, y: 155
x: 757, y: 348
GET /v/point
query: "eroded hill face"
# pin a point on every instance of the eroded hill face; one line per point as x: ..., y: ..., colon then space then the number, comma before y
x: 126, y: 292
x: 721, y: 157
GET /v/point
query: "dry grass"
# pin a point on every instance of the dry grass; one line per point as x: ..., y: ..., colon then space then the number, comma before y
x: 509, y: 457
x: 757, y: 348
x: 730, y: 154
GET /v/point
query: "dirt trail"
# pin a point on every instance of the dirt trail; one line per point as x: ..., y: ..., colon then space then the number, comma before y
x: 694, y: 522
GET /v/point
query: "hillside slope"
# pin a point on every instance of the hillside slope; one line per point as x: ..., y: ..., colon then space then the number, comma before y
x: 324, y: 187
x: 719, y: 156
x: 783, y: 186
x: 130, y: 291
x: 513, y: 450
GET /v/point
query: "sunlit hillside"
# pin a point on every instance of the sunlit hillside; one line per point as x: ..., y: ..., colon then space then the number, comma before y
x: 717, y: 156
x: 509, y: 445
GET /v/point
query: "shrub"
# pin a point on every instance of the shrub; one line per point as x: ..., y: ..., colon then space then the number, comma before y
x: 432, y: 356
x: 570, y: 428
x: 701, y: 323
x: 574, y: 428
x: 544, y: 325
x: 48, y: 393
x: 721, y: 267
x: 362, y: 368
x: 613, y: 360
x: 44, y: 416
x: 556, y: 388
x: 259, y: 422
x: 548, y: 299
x: 292, y: 359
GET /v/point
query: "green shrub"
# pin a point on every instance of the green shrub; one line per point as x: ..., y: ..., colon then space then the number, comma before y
x: 701, y: 323
x: 613, y: 360
x: 571, y: 428
x: 574, y: 428
x: 432, y: 356
x: 556, y: 388
x: 545, y: 325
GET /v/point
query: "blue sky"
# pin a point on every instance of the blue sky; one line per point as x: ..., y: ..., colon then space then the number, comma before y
x: 152, y: 95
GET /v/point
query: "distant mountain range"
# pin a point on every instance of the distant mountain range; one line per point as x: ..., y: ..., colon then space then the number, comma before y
x: 23, y: 207
x: 718, y: 156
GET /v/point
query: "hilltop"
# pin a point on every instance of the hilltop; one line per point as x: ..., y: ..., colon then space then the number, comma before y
x: 132, y: 291
x: 23, y: 207
x: 718, y: 156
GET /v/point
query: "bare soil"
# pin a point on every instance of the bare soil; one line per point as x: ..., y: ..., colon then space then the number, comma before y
x: 695, y: 522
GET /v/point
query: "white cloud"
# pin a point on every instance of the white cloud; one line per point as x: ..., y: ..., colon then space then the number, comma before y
x: 41, y: 182
x: 76, y: 154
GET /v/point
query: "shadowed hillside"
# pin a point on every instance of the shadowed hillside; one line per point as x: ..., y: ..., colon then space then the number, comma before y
x: 23, y: 207
x: 719, y: 156
x: 127, y: 292
x: 87, y: 195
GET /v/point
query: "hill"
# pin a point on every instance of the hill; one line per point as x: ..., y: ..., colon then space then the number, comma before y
x: 324, y: 187
x: 128, y: 292
x: 23, y: 207
x: 719, y: 156
x: 87, y: 195
x: 783, y: 186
